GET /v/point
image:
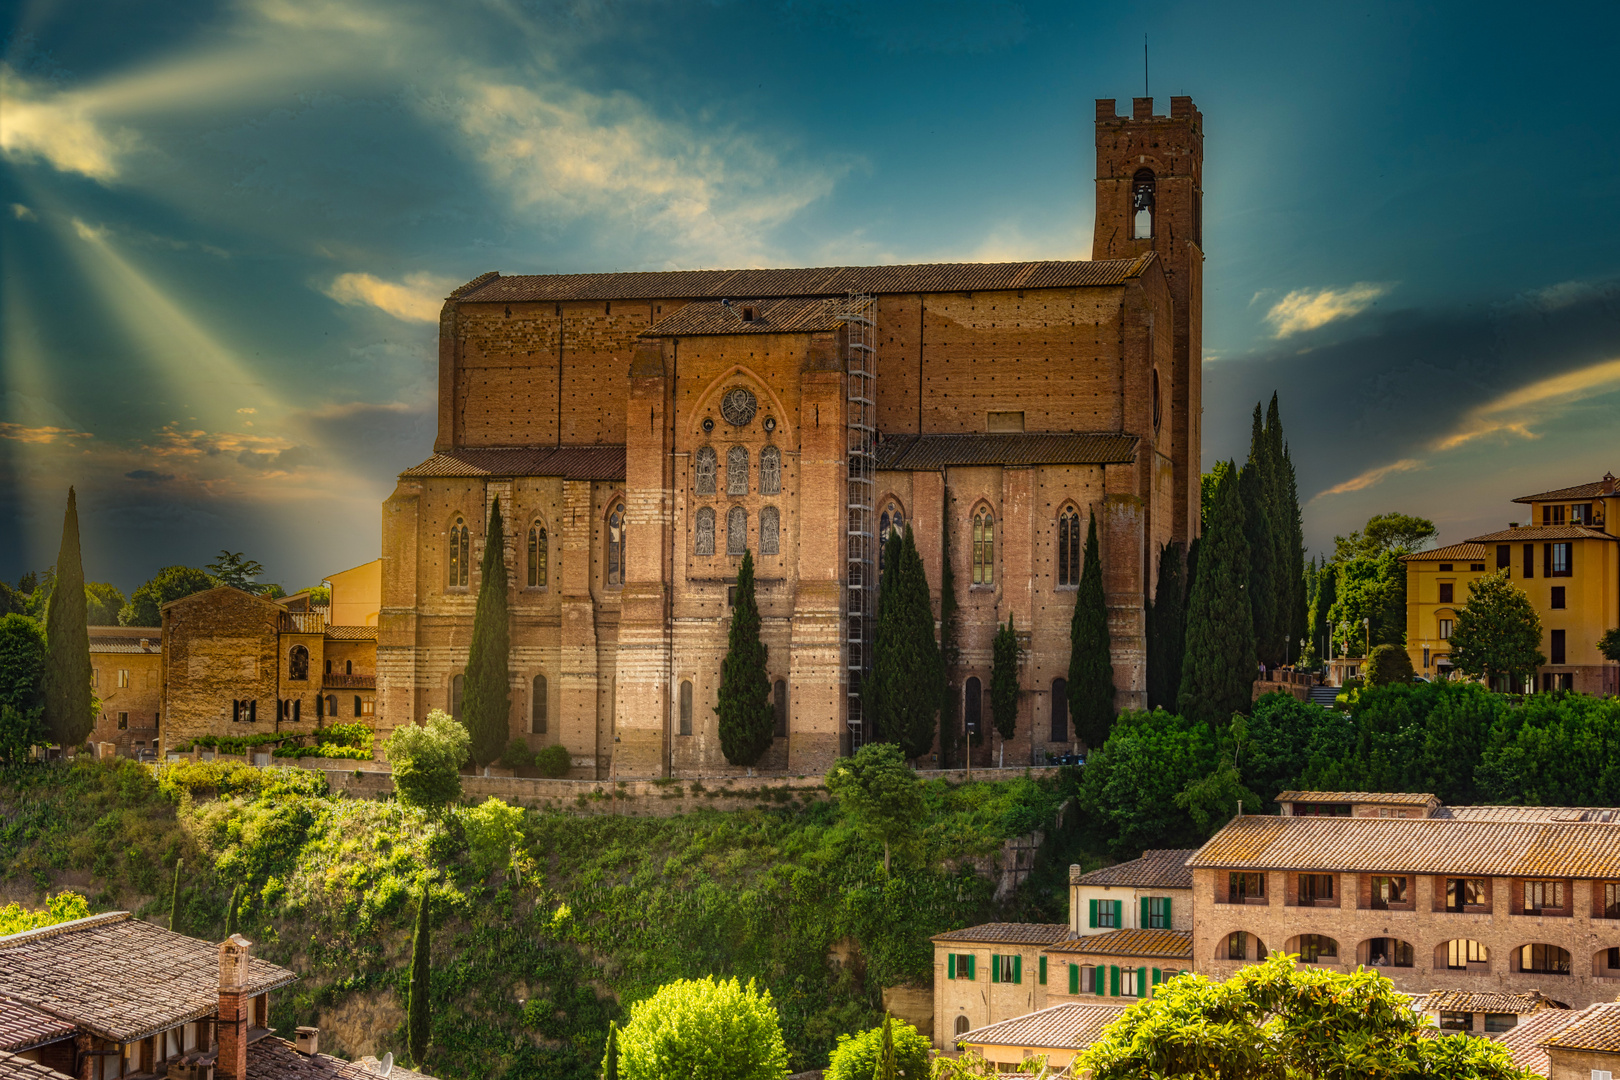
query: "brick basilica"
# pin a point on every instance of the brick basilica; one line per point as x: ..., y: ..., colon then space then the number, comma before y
x: 641, y: 430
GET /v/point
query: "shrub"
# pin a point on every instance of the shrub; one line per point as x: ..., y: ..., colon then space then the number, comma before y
x: 1388, y: 664
x: 856, y: 1056
x: 517, y: 755
x: 236, y: 778
x: 63, y: 907
x: 427, y: 760
x: 703, y: 1030
x: 492, y: 830
x: 553, y: 761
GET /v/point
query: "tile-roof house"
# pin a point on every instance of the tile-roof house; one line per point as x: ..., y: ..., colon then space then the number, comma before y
x: 1058, y: 1032
x: 1589, y: 1046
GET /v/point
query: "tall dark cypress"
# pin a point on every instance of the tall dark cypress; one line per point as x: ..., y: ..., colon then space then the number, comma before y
x: 1004, y: 683
x: 1256, y: 490
x: 610, y: 1055
x: 486, y: 703
x: 747, y: 721
x: 417, y: 1018
x: 950, y: 719
x: 885, y: 682
x: 1167, y: 630
x: 68, y: 708
x: 230, y: 909
x: 1091, y: 668
x: 1327, y: 594
x: 1296, y: 562
x: 907, y: 676
x: 1288, y: 566
x: 1219, y: 668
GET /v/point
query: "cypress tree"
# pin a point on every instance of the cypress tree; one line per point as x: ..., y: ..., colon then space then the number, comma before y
x: 174, y: 896
x: 885, y: 1066
x: 877, y: 688
x: 1218, y: 668
x: 950, y: 720
x: 610, y: 1055
x: 69, y: 711
x: 906, y: 674
x: 230, y: 909
x: 1288, y: 541
x: 747, y: 722
x: 1091, y: 669
x: 1167, y: 629
x: 1296, y: 562
x: 416, y: 1020
x: 487, y: 690
x: 1004, y: 682
x: 1327, y: 594
x: 1256, y: 489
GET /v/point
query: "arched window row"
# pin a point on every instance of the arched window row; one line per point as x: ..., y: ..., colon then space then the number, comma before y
x: 770, y: 531
x: 1457, y: 954
x: 706, y: 465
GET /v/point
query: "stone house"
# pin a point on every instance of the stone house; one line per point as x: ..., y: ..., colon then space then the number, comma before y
x: 1482, y: 1011
x: 1058, y: 1032
x: 1588, y: 1048
x: 126, y: 674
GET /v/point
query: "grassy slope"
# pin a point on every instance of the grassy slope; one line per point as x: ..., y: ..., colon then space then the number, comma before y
x: 529, y: 964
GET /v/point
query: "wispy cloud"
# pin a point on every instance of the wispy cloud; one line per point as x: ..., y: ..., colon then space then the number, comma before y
x: 22, y: 433
x: 417, y: 298
x: 37, y: 123
x: 1373, y: 476
x: 1307, y: 309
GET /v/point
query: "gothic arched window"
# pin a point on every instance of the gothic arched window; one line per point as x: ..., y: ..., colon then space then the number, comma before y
x: 615, y: 545
x: 737, y: 471
x: 736, y: 531
x: 984, y: 547
x: 298, y: 664
x: 1068, y: 553
x: 538, y: 707
x: 770, y: 471
x: 1142, y: 207
x: 331, y: 704
x: 704, y: 544
x: 537, y: 556
x: 892, y: 520
x: 770, y: 531
x: 705, y: 469
x: 458, y: 554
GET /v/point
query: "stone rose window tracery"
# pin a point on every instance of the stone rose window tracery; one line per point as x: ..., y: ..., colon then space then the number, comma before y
x: 739, y: 406
x: 737, y: 471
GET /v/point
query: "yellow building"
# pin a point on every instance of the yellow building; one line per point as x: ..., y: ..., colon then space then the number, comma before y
x: 1566, y: 558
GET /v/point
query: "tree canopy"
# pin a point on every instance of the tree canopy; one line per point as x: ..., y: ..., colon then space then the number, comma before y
x: 1391, y: 532
x: 1091, y: 668
x: 903, y: 692
x: 747, y: 721
x: 486, y: 702
x: 1498, y: 632
x: 1371, y: 588
x: 703, y: 1029
x: 69, y: 706
x: 168, y: 584
x: 1218, y: 668
x: 427, y: 760
x: 232, y: 569
x: 1388, y: 664
x: 856, y: 1056
x: 881, y: 793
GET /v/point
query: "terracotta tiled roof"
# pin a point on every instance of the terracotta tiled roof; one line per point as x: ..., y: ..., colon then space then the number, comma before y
x: 1467, y: 551
x: 1530, y: 813
x: 1544, y: 532
x: 125, y: 639
x: 22, y: 1028
x: 1524, y: 1039
x: 277, y: 1059
x: 1008, y: 933
x: 118, y: 977
x: 400, y: 1072
x: 1070, y: 1026
x: 1596, y: 1028
x: 1161, y: 868
x: 1385, y: 798
x: 812, y: 281
x: 569, y: 462
x: 1579, y: 491
x: 1484, y: 1001
x: 794, y: 315
x: 1415, y: 845
x: 14, y: 1067
x: 1170, y: 944
x: 351, y: 633
x: 899, y: 453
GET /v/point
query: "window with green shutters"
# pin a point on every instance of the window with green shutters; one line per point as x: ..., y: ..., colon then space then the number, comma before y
x: 959, y: 966
x: 995, y: 967
x: 1006, y: 969
x: 1105, y: 914
x: 950, y: 965
x: 1074, y: 979
x: 1155, y: 912
x: 1141, y: 987
x: 1113, y: 981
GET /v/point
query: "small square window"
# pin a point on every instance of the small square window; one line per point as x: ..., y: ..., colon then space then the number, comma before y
x: 1445, y: 568
x: 1557, y: 596
x: 1476, y: 566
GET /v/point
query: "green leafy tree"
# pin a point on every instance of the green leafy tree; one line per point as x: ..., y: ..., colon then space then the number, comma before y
x: 1321, y: 625
x: 167, y: 585
x: 418, y: 1018
x: 1370, y: 590
x: 232, y: 569
x: 857, y: 1057
x: 517, y: 754
x: 1279, y: 1021
x: 22, y: 662
x: 1553, y: 750
x: 1091, y: 668
x: 20, y: 731
x: 1004, y: 682
x: 69, y: 710
x: 1609, y: 644
x: 12, y: 602
x: 553, y: 761
x: 881, y: 793
x: 494, y: 829
x: 1208, y: 485
x: 610, y: 1053
x: 486, y: 706
x: 747, y: 721
x: 703, y: 1029
x: 64, y: 907
x: 1388, y: 664
x: 102, y: 602
x: 1219, y: 666
x: 426, y: 760
x: 1283, y: 735
x: 904, y: 689
x: 1167, y: 629
x: 1130, y: 784
x: 1394, y: 532
x: 1498, y: 632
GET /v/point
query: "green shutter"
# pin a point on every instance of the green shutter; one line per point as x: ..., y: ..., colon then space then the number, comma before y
x: 950, y: 966
x: 995, y: 967
x: 1156, y: 978
x: 1074, y: 979
x: 1099, y: 981
x: 1113, y: 981
x: 1093, y: 906
x: 1018, y: 969
x: 1169, y: 923
x: 1141, y: 982
x: 1043, y: 971
x: 1147, y: 913
x: 973, y: 966
x: 1119, y: 914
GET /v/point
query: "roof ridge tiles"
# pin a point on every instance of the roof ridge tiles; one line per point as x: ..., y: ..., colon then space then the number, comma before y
x: 89, y: 922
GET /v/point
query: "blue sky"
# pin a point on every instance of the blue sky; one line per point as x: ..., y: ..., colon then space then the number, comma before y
x: 227, y: 228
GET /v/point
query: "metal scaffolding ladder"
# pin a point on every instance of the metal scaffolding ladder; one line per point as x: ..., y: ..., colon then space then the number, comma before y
x: 860, y: 367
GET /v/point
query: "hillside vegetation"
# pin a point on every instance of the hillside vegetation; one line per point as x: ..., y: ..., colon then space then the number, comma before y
x: 546, y: 926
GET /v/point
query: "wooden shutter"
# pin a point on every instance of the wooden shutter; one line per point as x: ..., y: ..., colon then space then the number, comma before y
x: 1546, y: 560
x: 1092, y: 905
x: 950, y: 966
x: 1043, y: 971
x: 1169, y: 921
x: 1147, y: 913
x: 1141, y: 982
x: 1099, y: 980
x: 1113, y: 981
x: 995, y: 967
x: 1156, y: 976
x: 1119, y: 914
x: 1074, y: 979
x: 1018, y: 969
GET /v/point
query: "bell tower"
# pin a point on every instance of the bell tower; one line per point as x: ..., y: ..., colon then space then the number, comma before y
x: 1150, y: 194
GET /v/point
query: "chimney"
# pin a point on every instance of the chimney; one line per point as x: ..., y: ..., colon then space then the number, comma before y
x: 1607, y: 488
x: 146, y: 644
x: 235, y: 1008
x: 308, y: 1040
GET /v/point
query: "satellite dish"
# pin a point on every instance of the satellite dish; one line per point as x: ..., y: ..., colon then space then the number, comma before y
x: 386, y: 1065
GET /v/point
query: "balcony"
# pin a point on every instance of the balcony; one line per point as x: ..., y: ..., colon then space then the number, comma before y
x: 349, y: 682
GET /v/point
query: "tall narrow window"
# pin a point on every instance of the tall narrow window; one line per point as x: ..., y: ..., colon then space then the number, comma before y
x: 331, y: 704
x: 1504, y: 556
x: 972, y: 704
x: 615, y: 546
x: 539, y: 707
x: 298, y: 664
x: 780, y: 703
x: 706, y: 469
x: 984, y: 548
x: 456, y: 684
x: 892, y: 520
x: 704, y: 542
x: 1555, y: 647
x: 537, y: 557
x: 1142, y: 205
x: 770, y: 531
x: 1069, y: 547
x: 770, y: 471
x: 737, y: 471
x: 357, y: 709
x: 736, y: 531
x: 458, y: 554
x: 1060, y: 711
x: 686, y: 707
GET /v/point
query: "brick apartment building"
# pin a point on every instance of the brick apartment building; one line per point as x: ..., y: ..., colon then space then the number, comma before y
x: 126, y: 675
x: 641, y: 430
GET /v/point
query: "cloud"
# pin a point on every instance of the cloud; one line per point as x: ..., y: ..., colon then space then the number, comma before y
x: 1304, y: 309
x: 20, y: 433
x: 149, y: 476
x: 23, y: 213
x: 247, y: 412
x: 36, y: 124
x: 1373, y: 476
x: 416, y: 299
x: 1536, y: 403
